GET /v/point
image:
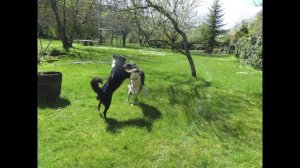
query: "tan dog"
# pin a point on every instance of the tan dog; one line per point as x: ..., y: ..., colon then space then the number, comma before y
x: 137, y: 78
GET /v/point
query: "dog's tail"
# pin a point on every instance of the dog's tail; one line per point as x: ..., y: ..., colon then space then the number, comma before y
x: 94, y: 84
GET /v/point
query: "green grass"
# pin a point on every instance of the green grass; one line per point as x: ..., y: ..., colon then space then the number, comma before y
x: 214, y: 120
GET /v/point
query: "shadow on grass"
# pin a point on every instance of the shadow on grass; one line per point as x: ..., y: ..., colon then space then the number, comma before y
x: 216, y: 110
x: 150, y: 115
x: 184, y: 92
x: 59, y: 103
x: 209, y: 107
x: 114, y: 125
x: 150, y: 112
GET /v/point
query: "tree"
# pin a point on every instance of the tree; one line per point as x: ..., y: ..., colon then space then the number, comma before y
x: 184, y: 15
x: 111, y: 18
x: 170, y: 33
x: 146, y: 22
x: 46, y: 23
x: 61, y: 24
x: 242, y: 31
x: 124, y: 20
x: 71, y: 16
x: 168, y: 10
x: 255, y: 25
x: 200, y: 35
x: 214, y: 24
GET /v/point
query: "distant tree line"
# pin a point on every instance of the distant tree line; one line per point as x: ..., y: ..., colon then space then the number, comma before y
x: 150, y: 23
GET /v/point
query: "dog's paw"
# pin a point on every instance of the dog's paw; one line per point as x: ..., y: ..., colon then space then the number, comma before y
x: 134, y: 103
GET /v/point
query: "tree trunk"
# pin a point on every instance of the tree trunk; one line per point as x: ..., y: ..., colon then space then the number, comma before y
x: 124, y: 39
x: 60, y: 28
x: 141, y: 40
x: 100, y: 39
x: 191, y: 62
x: 112, y: 38
x: 173, y: 42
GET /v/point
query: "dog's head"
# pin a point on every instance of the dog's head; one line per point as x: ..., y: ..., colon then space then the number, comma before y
x: 118, y: 60
x: 130, y: 67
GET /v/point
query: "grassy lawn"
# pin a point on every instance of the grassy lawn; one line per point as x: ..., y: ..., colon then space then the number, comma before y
x: 214, y: 120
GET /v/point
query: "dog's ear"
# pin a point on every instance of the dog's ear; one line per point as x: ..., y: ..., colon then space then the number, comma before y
x: 114, y: 56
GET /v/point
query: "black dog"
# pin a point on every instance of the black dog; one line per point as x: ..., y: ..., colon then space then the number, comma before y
x: 117, y: 76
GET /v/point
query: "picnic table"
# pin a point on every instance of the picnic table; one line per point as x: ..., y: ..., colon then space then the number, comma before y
x: 87, y: 42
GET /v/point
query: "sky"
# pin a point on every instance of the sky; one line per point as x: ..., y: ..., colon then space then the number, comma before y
x: 234, y: 10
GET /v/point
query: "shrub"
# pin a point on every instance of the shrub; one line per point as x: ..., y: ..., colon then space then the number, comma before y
x: 250, y: 50
x: 156, y: 44
x: 196, y: 47
x: 231, y: 49
x: 55, y: 52
x: 47, y: 58
x: 221, y: 51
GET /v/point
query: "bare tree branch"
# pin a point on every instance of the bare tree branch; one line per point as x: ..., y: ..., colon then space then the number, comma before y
x: 176, y: 27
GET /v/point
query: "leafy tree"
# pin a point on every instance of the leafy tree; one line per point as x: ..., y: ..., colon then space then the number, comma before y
x: 71, y: 17
x: 214, y: 24
x: 199, y: 35
x: 255, y: 25
x: 46, y: 23
x: 124, y: 20
x: 61, y: 23
x: 242, y: 30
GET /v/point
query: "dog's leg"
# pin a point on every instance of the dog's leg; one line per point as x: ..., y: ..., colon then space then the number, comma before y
x: 104, y: 112
x: 129, y: 94
x: 136, y: 97
x: 139, y: 90
x: 99, y: 106
x: 135, y: 100
x: 106, y: 107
